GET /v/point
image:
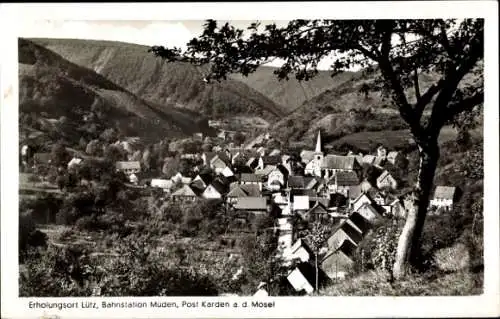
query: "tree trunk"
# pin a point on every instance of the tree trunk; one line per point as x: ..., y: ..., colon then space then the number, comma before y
x: 316, y: 254
x: 408, y: 250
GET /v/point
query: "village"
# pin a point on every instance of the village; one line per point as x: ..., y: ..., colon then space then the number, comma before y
x: 313, y: 187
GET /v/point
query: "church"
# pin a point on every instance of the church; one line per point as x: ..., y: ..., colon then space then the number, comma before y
x: 314, y: 166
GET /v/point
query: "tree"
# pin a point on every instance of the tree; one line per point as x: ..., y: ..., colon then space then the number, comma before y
x: 316, y: 237
x: 400, y: 51
x: 59, y: 155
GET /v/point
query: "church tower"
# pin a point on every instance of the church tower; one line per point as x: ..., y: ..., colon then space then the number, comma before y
x: 318, y: 152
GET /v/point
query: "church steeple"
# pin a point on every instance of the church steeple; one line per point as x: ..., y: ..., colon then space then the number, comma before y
x: 318, y: 144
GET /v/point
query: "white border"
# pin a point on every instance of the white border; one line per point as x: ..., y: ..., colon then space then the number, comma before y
x: 13, y: 15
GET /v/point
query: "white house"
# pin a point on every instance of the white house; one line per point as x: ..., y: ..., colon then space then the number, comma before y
x: 165, y: 184
x: 299, y: 280
x: 75, y: 161
x: 277, y: 178
x: 386, y: 180
x: 444, y: 197
x: 128, y: 167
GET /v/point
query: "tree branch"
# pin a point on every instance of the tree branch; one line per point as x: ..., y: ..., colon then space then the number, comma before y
x: 416, y: 85
x: 466, y: 104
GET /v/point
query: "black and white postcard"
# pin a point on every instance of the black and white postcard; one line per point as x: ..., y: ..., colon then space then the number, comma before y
x: 250, y: 159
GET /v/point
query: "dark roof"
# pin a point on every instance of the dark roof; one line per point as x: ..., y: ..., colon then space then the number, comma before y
x: 250, y: 178
x: 252, y: 190
x: 206, y: 178
x: 197, y: 186
x: 354, y: 191
x: 251, y: 203
x: 283, y: 170
x: 360, y: 222
x: 346, y: 178
x: 271, y: 160
x: 338, y: 162
x: 303, y: 192
x: 221, y: 187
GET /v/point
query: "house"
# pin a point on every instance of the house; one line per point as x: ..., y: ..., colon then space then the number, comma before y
x: 251, y: 179
x: 346, y: 231
x: 198, y: 137
x: 342, y: 181
x: 215, y: 190
x: 261, y: 290
x: 394, y: 157
x: 164, y: 184
x: 303, y: 277
x: 204, y: 178
x: 262, y: 151
x: 337, y: 163
x: 264, y: 173
x: 227, y: 172
x: 277, y: 178
x: 219, y: 162
x: 369, y: 159
x: 338, y: 263
x: 317, y: 212
x: 128, y: 167
x: 256, y: 205
x: 382, y: 152
x: 379, y: 161
x: 301, y: 182
x: 444, y: 197
x: 362, y: 199
x: 252, y: 162
x: 300, y: 203
x: 386, y: 180
x: 299, y: 250
x: 377, y: 196
x: 198, y: 187
x: 74, y: 162
x: 245, y: 190
x: 185, y: 193
x: 369, y: 213
x: 207, y: 157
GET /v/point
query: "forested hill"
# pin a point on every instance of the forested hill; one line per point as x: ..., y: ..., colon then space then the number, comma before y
x: 169, y: 84
x: 52, y: 88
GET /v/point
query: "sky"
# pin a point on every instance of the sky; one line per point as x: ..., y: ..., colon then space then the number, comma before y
x: 167, y: 33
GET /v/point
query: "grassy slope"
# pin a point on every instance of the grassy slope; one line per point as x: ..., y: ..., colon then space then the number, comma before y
x: 167, y: 84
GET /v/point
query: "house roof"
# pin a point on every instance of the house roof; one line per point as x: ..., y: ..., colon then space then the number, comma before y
x: 250, y: 178
x: 385, y: 174
x: 185, y: 191
x: 338, y: 162
x: 446, y: 192
x: 303, y: 192
x: 346, y: 178
x: 282, y: 169
x: 252, y: 190
x: 369, y: 159
x: 275, y: 152
x: 237, y: 192
x: 209, y: 156
x: 271, y: 160
x: 198, y: 186
x: 251, y: 203
x: 392, y: 154
x: 220, y: 186
x: 358, y: 220
x: 354, y: 191
x: 128, y: 165
x: 266, y: 170
x: 297, y: 182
